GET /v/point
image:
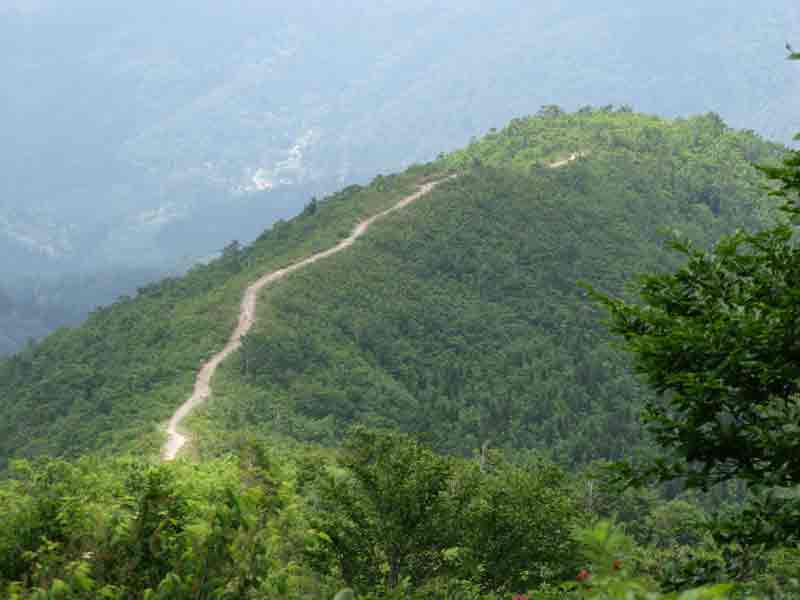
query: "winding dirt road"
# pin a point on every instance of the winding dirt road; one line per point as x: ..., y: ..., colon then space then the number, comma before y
x: 247, y: 315
x: 247, y: 312
x: 571, y: 158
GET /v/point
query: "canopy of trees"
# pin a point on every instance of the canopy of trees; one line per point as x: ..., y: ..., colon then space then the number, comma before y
x: 458, y: 318
x: 385, y: 516
x: 718, y: 340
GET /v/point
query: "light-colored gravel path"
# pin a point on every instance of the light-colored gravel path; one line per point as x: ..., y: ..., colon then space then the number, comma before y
x: 571, y: 158
x: 247, y: 314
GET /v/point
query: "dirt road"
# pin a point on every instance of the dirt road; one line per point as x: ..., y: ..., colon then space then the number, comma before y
x: 247, y: 312
x: 571, y: 158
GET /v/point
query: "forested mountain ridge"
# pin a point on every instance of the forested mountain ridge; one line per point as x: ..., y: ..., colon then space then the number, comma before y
x: 201, y: 123
x: 108, y: 383
x: 458, y: 317
x: 461, y: 319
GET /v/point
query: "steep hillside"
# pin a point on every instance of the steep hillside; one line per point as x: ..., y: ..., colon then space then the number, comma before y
x: 458, y: 317
x: 34, y: 306
x: 107, y: 384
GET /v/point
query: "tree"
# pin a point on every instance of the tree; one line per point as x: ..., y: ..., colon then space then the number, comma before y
x: 719, y: 340
x: 516, y: 524
x: 312, y: 207
x: 550, y: 111
x: 398, y: 510
x: 384, y: 509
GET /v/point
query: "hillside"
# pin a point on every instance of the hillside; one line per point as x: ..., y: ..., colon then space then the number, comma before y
x: 458, y: 317
x: 34, y: 306
x: 106, y: 384
x: 198, y: 124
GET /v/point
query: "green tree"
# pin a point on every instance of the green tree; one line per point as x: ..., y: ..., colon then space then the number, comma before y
x: 719, y: 339
x: 385, y: 509
x: 398, y: 510
x: 516, y: 525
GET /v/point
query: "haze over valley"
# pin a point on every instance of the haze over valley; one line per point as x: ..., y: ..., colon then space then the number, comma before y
x: 149, y: 135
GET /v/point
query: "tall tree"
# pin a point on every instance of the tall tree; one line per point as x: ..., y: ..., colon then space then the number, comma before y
x: 384, y: 510
x: 719, y: 339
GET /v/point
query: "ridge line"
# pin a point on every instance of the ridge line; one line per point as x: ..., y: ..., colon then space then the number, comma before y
x: 247, y: 317
x: 247, y: 310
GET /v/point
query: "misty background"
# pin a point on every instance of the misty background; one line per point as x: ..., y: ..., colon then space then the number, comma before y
x: 140, y: 138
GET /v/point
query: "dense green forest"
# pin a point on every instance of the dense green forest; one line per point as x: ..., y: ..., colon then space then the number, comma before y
x: 459, y: 320
x: 197, y: 124
x: 383, y: 517
x: 109, y: 383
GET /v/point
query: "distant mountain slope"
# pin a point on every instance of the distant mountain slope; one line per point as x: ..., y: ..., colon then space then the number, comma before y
x: 461, y: 319
x: 34, y: 306
x: 458, y: 317
x: 141, y: 132
x: 17, y: 322
x: 107, y: 383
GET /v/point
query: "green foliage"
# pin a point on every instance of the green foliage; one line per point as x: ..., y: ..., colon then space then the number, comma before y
x: 303, y: 522
x: 459, y: 318
x: 391, y: 510
x: 716, y: 339
x: 608, y: 574
x: 717, y: 335
x: 383, y: 509
x: 109, y: 383
x: 126, y: 529
x: 34, y: 306
x: 517, y: 525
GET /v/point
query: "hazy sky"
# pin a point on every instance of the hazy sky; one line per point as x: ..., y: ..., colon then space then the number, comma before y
x: 129, y: 126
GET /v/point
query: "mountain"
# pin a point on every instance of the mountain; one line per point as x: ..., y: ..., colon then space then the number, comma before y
x: 17, y: 323
x: 458, y: 317
x: 33, y: 306
x: 143, y: 133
